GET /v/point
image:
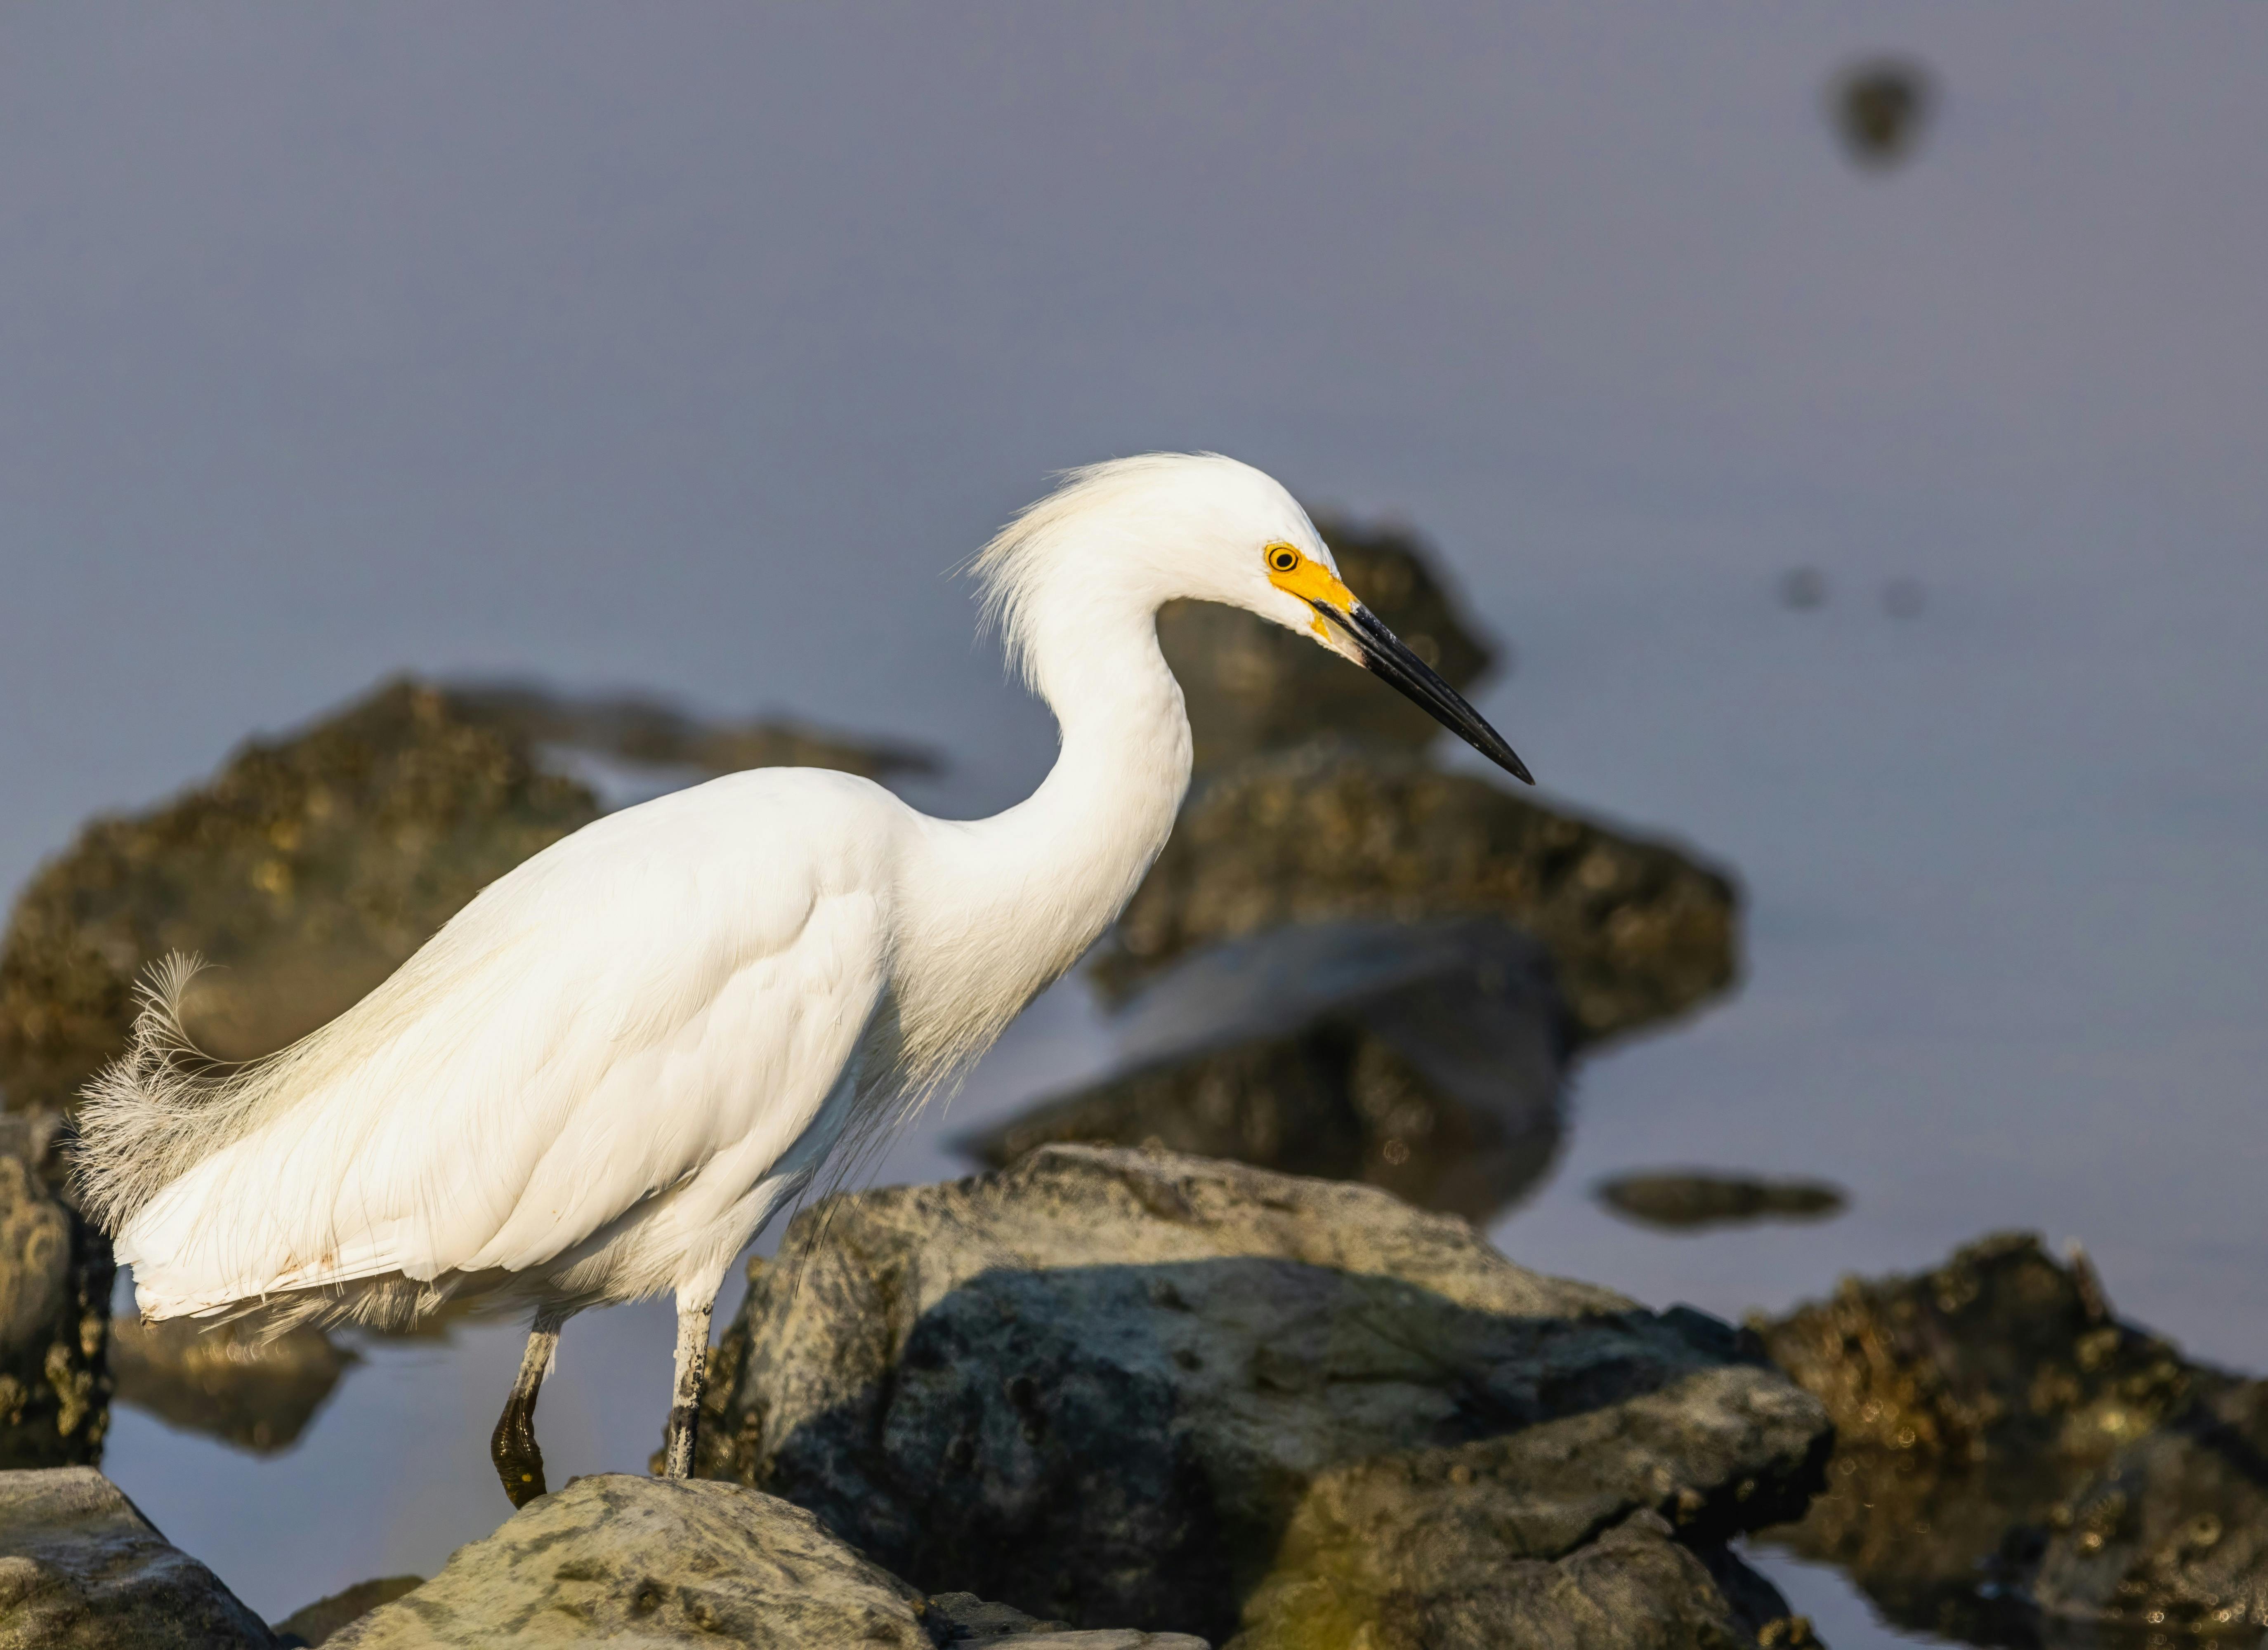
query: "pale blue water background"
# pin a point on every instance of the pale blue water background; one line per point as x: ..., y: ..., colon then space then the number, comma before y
x: 685, y: 350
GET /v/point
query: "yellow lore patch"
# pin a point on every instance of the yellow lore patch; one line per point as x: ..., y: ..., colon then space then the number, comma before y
x: 1308, y: 579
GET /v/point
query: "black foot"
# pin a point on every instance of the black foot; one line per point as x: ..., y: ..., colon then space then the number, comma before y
x: 519, y: 1463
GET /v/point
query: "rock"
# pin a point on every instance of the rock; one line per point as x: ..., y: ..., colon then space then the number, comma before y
x: 81, y: 1569
x: 1398, y: 1573
x: 1426, y: 1058
x: 1103, y: 1385
x: 1252, y: 686
x: 1637, y: 931
x: 619, y: 1558
x: 55, y: 1274
x: 315, y: 1623
x: 309, y: 868
x: 1879, y: 109
x: 1682, y: 1200
x: 652, y: 733
x: 312, y: 865
x: 226, y: 1382
x: 2009, y: 1447
x: 1999, y: 1354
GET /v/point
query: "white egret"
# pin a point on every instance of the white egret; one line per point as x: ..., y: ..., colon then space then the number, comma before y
x: 607, y: 1072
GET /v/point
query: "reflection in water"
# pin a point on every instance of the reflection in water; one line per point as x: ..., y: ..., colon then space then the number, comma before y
x: 219, y: 1380
x: 1688, y: 1199
x: 1426, y: 1058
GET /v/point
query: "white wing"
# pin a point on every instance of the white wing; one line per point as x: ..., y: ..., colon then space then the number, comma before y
x: 675, y: 981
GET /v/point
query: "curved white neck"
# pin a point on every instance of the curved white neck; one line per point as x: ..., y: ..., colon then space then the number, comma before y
x: 1016, y: 899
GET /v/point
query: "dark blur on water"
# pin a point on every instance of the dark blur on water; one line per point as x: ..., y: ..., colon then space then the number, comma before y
x: 689, y: 358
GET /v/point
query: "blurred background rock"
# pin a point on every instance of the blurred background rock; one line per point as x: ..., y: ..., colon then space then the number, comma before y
x: 312, y: 865
x: 1691, y: 1200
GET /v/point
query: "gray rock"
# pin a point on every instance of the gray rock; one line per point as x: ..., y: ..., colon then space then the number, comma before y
x: 81, y: 1569
x: 1103, y: 1384
x: 55, y: 1274
x: 1424, y: 1057
x: 632, y: 1560
x: 1637, y: 931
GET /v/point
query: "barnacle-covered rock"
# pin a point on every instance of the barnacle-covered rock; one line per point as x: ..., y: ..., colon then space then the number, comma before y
x: 2015, y: 1465
x: 55, y: 1274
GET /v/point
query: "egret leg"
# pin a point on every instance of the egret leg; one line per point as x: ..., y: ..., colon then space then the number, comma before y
x: 519, y: 1463
x: 693, y: 1308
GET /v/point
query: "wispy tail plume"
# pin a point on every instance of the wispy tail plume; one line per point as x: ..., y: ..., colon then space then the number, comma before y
x: 158, y: 1109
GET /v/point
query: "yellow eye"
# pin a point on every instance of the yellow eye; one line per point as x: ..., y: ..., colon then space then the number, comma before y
x: 1282, y: 557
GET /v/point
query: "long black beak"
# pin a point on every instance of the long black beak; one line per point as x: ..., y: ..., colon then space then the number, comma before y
x: 1385, y: 655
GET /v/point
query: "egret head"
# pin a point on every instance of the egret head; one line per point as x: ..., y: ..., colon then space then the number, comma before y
x: 1132, y: 534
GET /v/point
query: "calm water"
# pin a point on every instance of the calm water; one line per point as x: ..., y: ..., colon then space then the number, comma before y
x: 2004, y: 970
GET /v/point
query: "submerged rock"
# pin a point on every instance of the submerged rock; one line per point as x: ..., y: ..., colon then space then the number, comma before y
x: 81, y: 1569
x: 226, y: 1382
x: 619, y: 1558
x: 1426, y: 1058
x: 2017, y: 1466
x: 1108, y: 1386
x: 1637, y: 931
x: 1252, y: 686
x: 1682, y: 1200
x: 55, y: 1274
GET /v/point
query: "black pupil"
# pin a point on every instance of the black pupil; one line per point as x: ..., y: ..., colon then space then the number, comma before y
x: 1285, y: 560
